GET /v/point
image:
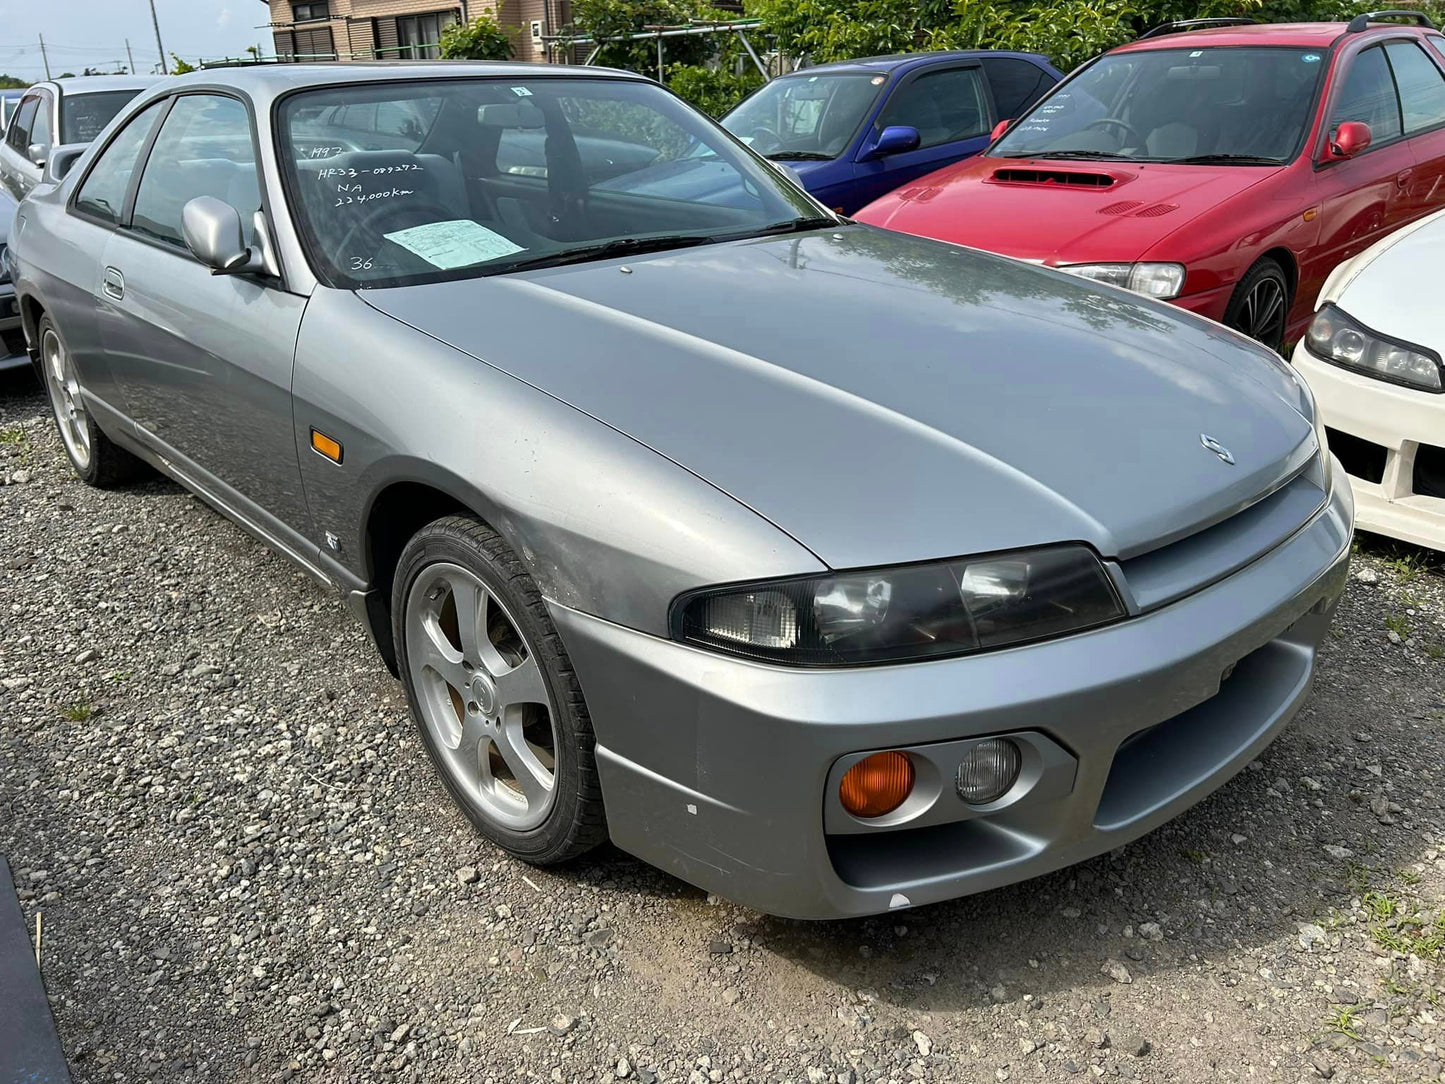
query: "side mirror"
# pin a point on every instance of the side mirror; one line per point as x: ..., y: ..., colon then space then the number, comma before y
x: 38, y: 152
x: 895, y: 139
x: 1349, y: 139
x: 60, y: 161
x: 212, y: 229
x: 999, y: 129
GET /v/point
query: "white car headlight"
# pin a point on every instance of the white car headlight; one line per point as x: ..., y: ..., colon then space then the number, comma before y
x: 1335, y: 337
x: 1161, y: 280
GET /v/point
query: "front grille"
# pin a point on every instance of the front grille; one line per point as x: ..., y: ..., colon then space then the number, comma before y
x: 1361, y: 458
x: 1429, y: 477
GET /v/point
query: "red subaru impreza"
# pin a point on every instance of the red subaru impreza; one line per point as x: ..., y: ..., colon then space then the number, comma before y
x: 1227, y: 168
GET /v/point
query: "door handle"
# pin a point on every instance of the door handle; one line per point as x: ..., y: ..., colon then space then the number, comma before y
x: 1403, y: 177
x: 113, y: 284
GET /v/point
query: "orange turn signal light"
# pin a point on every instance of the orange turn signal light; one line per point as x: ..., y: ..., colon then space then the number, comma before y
x: 331, y: 449
x: 877, y: 784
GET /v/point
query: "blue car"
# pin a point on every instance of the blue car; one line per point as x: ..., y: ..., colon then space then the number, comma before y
x: 858, y: 129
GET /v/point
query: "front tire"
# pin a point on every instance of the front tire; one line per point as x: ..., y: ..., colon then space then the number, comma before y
x: 98, y: 460
x: 1259, y: 306
x: 493, y: 693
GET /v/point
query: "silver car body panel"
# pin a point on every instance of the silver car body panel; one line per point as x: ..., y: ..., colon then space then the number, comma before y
x: 745, y: 411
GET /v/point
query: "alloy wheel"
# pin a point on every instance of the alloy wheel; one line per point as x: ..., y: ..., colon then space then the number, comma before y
x: 66, y: 399
x: 482, y: 696
x: 1262, y: 314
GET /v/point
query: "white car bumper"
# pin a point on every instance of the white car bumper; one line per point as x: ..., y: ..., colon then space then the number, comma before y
x: 1395, y: 474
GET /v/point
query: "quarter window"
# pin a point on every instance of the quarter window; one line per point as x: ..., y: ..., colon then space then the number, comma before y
x: 102, y: 195
x: 943, y: 106
x: 1422, y: 87
x: 204, y: 149
x: 1368, y: 95
x: 1016, y: 84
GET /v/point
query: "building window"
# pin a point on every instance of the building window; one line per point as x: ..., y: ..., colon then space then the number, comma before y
x: 418, y: 35
x: 317, y: 9
x: 305, y: 44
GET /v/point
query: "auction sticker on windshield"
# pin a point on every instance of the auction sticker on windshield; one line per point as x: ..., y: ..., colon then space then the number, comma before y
x: 456, y: 243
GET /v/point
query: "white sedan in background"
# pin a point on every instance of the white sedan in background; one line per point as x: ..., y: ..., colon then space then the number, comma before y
x: 1373, y: 358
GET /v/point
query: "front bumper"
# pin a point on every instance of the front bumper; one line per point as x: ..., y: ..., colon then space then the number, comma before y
x: 716, y: 769
x: 1399, y: 421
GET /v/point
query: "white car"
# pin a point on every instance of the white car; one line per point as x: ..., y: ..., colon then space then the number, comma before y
x: 1373, y: 358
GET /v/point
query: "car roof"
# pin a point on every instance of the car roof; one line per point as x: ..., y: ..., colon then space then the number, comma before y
x: 262, y: 81
x: 95, y: 84
x: 896, y: 61
x: 1302, y: 35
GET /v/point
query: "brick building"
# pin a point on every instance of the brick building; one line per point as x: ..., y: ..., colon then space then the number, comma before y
x: 403, y: 29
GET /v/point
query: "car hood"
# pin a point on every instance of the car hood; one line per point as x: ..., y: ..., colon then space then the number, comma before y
x: 884, y: 398
x: 1059, y: 212
x: 1393, y: 286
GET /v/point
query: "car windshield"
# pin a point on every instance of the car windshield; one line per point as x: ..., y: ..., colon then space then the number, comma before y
x: 805, y: 116
x: 1223, y: 105
x: 82, y: 116
x: 412, y: 182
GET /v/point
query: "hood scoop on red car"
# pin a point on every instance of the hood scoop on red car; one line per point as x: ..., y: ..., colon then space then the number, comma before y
x: 1069, y: 177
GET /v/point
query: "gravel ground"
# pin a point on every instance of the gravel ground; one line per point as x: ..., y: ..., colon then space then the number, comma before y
x: 211, y: 788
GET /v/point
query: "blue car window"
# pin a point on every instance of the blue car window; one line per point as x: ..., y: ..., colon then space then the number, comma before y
x: 806, y: 116
x: 944, y: 106
x: 1016, y: 84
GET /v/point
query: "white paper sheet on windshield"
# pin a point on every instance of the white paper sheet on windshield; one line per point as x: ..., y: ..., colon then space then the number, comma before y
x: 457, y: 243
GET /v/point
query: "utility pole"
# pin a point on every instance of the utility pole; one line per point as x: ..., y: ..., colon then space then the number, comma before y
x: 159, y: 47
x: 129, y: 56
x: 43, y: 57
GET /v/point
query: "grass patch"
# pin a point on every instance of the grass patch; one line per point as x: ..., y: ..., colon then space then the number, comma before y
x: 1435, y: 651
x: 1194, y: 855
x: 78, y: 711
x: 1399, y: 625
x: 14, y: 435
x: 1379, y: 906
x: 1341, y: 1019
x: 1414, y: 934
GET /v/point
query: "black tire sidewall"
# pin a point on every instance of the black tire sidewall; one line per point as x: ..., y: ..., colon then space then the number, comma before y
x: 468, y: 543
x: 1266, y: 267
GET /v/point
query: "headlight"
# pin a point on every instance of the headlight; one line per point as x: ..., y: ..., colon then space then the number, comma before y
x: 1335, y: 337
x: 913, y: 612
x: 1161, y: 280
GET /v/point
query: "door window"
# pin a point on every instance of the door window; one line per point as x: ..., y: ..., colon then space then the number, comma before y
x: 1422, y: 87
x: 40, y: 129
x: 1368, y: 95
x: 943, y: 106
x: 1016, y: 84
x: 102, y: 194
x: 19, y: 135
x: 204, y: 149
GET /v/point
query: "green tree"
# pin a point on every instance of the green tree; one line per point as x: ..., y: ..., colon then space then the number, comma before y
x: 9, y: 82
x: 481, y: 39
x: 182, y: 66
x: 713, y: 90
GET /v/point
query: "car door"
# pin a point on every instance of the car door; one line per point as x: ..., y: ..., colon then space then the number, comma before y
x: 17, y: 172
x: 952, y: 111
x: 1421, y: 82
x: 1364, y: 197
x: 204, y: 361
x: 94, y: 210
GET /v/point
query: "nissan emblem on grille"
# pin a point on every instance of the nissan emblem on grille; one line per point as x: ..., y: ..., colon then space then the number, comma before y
x: 1217, y: 448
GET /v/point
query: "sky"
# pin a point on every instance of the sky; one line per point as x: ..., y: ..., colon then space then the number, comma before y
x: 91, y: 33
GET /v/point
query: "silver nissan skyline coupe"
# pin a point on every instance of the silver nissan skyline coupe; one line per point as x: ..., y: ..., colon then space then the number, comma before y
x: 829, y: 569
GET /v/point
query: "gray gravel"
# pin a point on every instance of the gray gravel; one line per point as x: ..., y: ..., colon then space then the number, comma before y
x: 212, y: 790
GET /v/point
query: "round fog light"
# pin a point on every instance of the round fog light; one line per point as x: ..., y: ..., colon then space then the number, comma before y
x: 988, y: 771
x: 877, y: 784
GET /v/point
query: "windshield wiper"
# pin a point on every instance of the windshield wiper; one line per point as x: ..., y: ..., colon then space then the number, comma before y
x: 622, y: 246
x: 1071, y: 154
x: 793, y: 225
x: 1237, y: 159
x: 798, y: 156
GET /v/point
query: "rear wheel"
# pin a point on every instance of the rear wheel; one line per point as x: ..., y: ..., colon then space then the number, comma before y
x: 96, y: 458
x: 494, y: 694
x: 1260, y: 304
